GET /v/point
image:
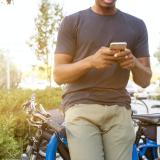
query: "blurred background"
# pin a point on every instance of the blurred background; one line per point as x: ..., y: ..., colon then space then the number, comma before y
x: 28, y: 36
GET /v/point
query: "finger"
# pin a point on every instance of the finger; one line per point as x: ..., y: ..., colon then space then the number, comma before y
x: 120, y: 59
x: 127, y: 65
x: 120, y: 54
x: 106, y: 64
x: 129, y: 56
x: 107, y: 51
x: 124, y: 53
x: 126, y: 58
x: 125, y: 62
x: 109, y: 57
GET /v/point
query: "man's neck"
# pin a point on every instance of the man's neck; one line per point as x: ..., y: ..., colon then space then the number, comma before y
x: 104, y: 10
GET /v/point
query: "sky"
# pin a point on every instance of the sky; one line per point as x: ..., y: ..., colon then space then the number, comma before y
x: 17, y: 23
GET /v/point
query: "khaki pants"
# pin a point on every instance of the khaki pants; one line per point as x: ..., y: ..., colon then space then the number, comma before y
x: 98, y: 132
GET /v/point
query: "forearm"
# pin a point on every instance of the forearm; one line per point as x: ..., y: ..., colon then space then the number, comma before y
x: 70, y: 72
x: 65, y: 71
x: 141, y: 73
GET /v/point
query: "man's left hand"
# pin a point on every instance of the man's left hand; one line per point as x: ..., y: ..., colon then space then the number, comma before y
x: 125, y: 59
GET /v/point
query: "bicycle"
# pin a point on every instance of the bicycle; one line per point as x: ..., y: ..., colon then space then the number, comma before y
x: 145, y: 147
x: 146, y: 124
x: 138, y: 104
x: 47, y: 131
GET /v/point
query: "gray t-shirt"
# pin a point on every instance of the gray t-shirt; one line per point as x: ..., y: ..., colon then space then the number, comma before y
x: 82, y: 34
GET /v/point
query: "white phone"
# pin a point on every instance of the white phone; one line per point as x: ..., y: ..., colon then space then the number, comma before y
x: 118, y: 45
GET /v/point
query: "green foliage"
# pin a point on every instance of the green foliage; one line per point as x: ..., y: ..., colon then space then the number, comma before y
x: 48, y: 99
x: 6, y: 1
x: 157, y: 54
x: 13, y: 124
x: 11, y: 101
x: 47, y: 24
x: 9, y: 147
x: 156, y: 94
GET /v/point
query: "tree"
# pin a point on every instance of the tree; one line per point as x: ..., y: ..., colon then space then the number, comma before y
x: 15, y: 75
x: 47, y: 24
x: 157, y: 54
x: 6, y: 1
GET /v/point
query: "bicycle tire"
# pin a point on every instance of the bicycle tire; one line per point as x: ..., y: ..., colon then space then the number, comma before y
x: 30, y: 157
x: 63, y: 151
x: 139, y: 106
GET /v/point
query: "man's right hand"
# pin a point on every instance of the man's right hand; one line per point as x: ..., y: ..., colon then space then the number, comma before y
x: 66, y: 71
x: 103, y: 58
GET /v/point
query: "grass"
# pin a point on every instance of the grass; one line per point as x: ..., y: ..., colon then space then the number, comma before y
x: 13, y: 124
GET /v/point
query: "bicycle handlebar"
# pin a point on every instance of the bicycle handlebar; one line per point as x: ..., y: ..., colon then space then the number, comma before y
x: 39, y: 116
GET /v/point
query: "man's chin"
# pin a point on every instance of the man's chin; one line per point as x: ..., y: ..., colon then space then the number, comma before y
x: 109, y: 2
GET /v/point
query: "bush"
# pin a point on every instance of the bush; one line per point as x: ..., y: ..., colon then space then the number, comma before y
x: 9, y: 147
x: 13, y: 124
x: 11, y: 101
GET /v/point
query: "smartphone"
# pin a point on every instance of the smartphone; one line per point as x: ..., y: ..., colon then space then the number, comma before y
x: 118, y: 45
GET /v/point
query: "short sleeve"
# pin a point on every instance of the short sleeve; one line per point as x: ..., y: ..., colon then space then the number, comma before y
x: 66, y: 40
x: 141, y: 45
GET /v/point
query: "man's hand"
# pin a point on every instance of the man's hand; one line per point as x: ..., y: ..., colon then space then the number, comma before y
x: 125, y: 59
x: 103, y: 58
x: 66, y: 71
x: 138, y: 66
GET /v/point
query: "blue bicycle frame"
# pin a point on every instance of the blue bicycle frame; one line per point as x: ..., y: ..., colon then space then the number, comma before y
x: 135, y: 153
x: 138, y: 151
x: 141, y: 150
x: 53, y: 146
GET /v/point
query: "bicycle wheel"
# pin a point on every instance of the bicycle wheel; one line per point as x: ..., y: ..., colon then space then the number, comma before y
x: 29, y: 154
x: 42, y: 149
x: 63, y: 151
x: 139, y: 106
x: 148, y: 153
x: 30, y: 157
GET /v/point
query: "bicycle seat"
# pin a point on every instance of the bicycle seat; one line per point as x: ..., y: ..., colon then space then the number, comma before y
x: 148, y: 118
x: 54, y: 125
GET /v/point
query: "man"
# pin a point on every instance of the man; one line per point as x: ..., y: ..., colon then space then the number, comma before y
x: 96, y: 103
